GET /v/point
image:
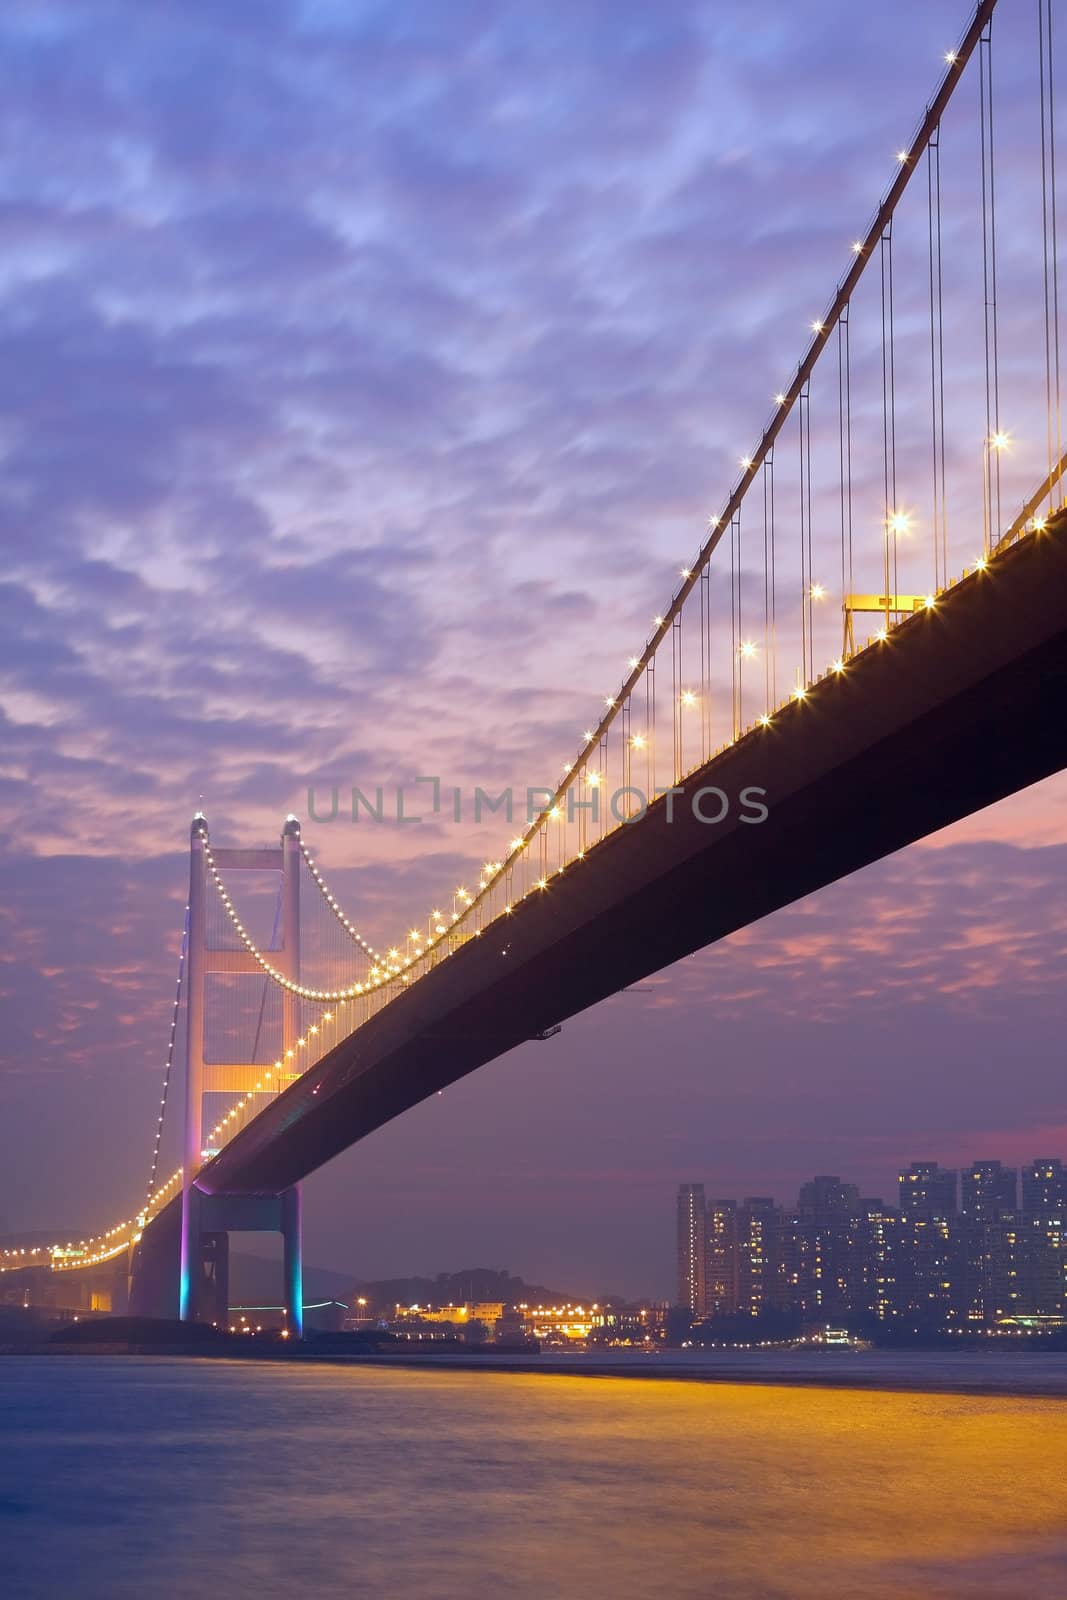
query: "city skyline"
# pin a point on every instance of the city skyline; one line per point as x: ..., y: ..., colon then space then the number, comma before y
x: 971, y: 1250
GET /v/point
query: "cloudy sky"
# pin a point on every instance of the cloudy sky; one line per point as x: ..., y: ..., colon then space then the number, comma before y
x: 365, y: 373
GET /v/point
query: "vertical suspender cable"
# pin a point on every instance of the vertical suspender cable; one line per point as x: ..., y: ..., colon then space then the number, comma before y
x: 766, y: 594
x: 991, y: 455
x: 1050, y: 242
x: 889, y: 422
x: 937, y: 359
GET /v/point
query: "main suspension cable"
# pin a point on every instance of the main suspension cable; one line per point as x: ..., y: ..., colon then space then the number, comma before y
x: 169, y: 1063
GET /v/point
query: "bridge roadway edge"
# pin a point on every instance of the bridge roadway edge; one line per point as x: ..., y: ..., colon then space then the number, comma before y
x: 962, y: 706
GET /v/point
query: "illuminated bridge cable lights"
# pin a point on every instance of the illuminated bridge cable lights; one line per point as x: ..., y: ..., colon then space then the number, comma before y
x: 105, y: 1246
x: 293, y: 1063
x: 875, y: 242
x: 335, y: 906
x: 101, y: 1247
x: 168, y: 1065
x: 304, y: 991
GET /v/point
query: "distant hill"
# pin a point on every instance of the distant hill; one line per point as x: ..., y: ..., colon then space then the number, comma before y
x: 472, y: 1284
x: 255, y: 1281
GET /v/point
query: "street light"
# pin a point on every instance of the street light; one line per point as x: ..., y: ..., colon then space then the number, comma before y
x: 897, y: 524
x: 993, y: 445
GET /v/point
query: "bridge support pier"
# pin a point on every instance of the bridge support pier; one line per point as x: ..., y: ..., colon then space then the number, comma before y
x: 212, y: 1218
x: 293, y: 1246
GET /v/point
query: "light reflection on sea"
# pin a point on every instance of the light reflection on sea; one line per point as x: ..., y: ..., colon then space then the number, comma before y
x: 132, y: 1477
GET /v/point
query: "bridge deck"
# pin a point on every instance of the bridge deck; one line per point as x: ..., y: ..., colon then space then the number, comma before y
x: 960, y: 707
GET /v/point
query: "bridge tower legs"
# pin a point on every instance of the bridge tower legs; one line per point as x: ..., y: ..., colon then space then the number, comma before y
x: 291, y: 1212
x: 293, y: 1247
x: 208, y: 1218
x: 195, y: 975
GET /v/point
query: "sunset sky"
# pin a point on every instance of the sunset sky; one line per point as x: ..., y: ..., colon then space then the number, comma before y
x: 366, y: 371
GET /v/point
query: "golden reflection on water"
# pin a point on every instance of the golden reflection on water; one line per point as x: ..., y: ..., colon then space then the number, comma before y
x: 638, y: 1487
x: 126, y: 1478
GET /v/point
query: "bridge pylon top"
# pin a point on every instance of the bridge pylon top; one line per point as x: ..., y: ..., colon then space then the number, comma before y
x: 292, y: 827
x: 198, y: 826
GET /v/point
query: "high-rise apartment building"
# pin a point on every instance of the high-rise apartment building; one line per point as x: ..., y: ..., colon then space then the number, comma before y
x: 826, y: 1201
x: 817, y: 1246
x: 761, y: 1268
x: 722, y: 1275
x: 1042, y: 1265
x: 927, y: 1191
x: 987, y: 1245
x: 875, y: 1261
x: 1044, y: 1189
x: 692, y: 1248
x: 987, y: 1190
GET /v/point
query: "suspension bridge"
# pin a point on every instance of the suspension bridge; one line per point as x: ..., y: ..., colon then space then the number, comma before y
x: 869, y: 644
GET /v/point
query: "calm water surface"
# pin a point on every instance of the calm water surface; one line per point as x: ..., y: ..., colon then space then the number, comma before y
x: 152, y: 1477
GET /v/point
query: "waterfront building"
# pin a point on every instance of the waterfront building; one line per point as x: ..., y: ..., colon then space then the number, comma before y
x: 1042, y: 1274
x: 875, y: 1261
x: 763, y: 1283
x: 692, y: 1248
x: 722, y: 1271
x: 972, y: 1261
x: 818, y: 1246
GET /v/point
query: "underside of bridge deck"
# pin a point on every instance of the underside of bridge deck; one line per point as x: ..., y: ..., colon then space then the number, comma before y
x: 961, y: 706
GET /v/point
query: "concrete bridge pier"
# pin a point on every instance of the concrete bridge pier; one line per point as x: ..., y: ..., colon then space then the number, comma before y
x: 293, y: 1248
x: 210, y: 1219
x: 213, y: 1218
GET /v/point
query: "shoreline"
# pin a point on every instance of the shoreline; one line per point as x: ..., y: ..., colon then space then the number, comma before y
x: 770, y: 1372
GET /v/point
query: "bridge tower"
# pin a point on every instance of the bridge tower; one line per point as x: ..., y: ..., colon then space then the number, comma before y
x: 208, y: 1217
